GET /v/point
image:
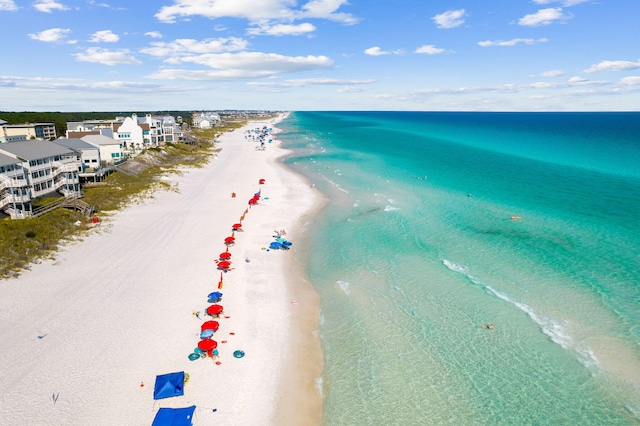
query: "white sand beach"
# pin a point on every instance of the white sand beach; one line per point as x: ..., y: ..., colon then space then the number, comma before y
x: 84, y: 335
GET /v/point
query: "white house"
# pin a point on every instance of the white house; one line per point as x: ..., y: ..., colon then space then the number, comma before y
x: 111, y: 150
x: 47, y: 168
x: 129, y: 134
x: 15, y: 195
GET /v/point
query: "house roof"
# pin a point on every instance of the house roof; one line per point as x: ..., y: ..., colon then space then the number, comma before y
x: 78, y: 135
x: 34, y: 149
x: 5, y: 160
x: 100, y: 140
x: 75, y: 143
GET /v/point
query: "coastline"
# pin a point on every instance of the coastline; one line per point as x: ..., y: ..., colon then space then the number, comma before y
x: 86, y: 333
x: 300, y: 399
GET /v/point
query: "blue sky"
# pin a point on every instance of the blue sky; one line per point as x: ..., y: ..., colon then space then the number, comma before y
x: 424, y: 55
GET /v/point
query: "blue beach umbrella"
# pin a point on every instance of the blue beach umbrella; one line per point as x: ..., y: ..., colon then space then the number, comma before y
x: 206, y: 333
x: 275, y: 245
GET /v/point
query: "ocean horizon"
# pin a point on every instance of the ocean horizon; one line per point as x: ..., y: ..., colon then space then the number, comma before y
x: 439, y: 224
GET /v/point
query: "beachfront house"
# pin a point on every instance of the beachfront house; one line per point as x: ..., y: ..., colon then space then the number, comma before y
x: 111, y: 150
x: 36, y: 169
x: 93, y: 168
x: 15, y: 195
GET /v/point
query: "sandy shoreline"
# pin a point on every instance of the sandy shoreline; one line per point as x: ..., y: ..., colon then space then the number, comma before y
x: 85, y: 334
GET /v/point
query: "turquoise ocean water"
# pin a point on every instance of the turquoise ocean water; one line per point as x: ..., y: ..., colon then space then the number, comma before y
x: 418, y: 248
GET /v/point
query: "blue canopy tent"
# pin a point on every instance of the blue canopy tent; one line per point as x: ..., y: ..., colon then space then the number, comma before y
x: 174, y: 416
x: 168, y: 385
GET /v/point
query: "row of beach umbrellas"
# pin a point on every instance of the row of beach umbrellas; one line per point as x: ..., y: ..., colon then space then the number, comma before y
x: 208, y: 328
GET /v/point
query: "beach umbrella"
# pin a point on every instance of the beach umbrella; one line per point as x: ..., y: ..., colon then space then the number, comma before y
x: 215, y: 295
x: 207, y: 345
x: 236, y: 226
x: 261, y: 181
x: 229, y: 240
x: 205, y: 334
x: 210, y: 325
x: 225, y: 255
x: 214, y: 309
x: 275, y: 245
x: 224, y: 264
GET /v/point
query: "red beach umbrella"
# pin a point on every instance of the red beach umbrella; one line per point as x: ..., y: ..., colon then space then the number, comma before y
x: 229, y: 240
x: 210, y: 325
x: 236, y: 226
x: 207, y: 344
x: 214, y: 309
x: 261, y: 181
x: 225, y: 255
x: 224, y: 264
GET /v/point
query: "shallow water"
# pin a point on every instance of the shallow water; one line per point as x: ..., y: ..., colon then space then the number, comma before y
x: 439, y: 223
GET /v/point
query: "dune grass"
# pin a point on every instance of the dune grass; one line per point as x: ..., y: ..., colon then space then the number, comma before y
x: 26, y: 241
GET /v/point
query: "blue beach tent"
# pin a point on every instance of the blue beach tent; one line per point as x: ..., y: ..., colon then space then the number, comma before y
x: 168, y: 385
x: 174, y: 416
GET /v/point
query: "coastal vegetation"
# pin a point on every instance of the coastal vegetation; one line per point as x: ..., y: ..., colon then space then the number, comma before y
x: 30, y: 240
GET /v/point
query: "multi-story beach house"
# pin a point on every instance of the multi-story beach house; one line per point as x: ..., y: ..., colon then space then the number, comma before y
x: 24, y: 132
x: 94, y: 169
x: 32, y: 169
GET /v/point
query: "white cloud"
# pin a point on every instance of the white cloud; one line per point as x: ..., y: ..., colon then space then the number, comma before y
x: 49, y: 5
x: 302, y: 82
x: 104, y: 36
x: 326, y: 9
x: 376, y: 51
x: 449, y: 19
x: 613, y: 66
x: 543, y: 17
x: 255, y: 11
x: 107, y: 57
x: 52, y: 35
x: 512, y: 42
x: 350, y: 89
x: 242, y: 65
x: 631, y: 81
x: 429, y: 49
x: 565, y: 3
x: 577, y: 80
x: 153, y: 34
x: 282, y: 29
x: 552, y: 73
x: 8, y: 5
x: 188, y: 46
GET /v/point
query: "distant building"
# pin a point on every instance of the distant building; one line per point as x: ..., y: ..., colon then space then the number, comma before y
x: 24, y: 132
x: 206, y: 120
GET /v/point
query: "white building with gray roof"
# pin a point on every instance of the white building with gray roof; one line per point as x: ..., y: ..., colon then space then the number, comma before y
x: 45, y: 167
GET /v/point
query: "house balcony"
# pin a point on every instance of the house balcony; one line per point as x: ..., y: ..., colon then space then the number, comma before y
x: 9, y: 199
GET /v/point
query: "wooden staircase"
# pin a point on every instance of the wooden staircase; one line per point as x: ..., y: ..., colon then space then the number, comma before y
x: 69, y: 203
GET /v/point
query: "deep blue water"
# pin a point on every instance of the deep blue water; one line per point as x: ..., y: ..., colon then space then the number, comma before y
x: 440, y: 223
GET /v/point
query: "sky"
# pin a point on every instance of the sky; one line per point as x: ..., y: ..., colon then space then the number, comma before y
x: 290, y: 55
